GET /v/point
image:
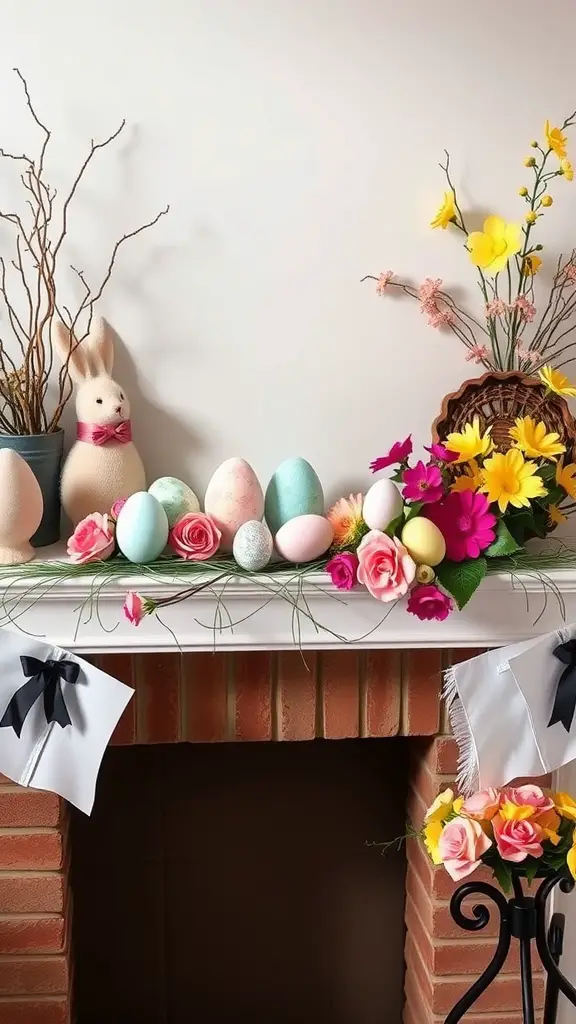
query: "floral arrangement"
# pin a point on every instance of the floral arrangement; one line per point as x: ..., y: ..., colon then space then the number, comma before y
x: 518, y: 827
x: 511, y: 332
x: 467, y: 504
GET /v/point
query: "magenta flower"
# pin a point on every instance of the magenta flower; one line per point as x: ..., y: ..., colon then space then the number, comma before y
x: 423, y: 483
x: 343, y: 569
x: 438, y: 451
x: 399, y: 452
x: 465, y: 522
x: 429, y: 602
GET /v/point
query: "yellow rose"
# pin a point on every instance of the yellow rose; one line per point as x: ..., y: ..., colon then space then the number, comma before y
x: 432, y: 832
x: 442, y: 807
x: 491, y: 248
x: 447, y: 212
x: 565, y: 806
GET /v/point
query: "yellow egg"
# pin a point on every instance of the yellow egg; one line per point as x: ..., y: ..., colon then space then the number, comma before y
x: 424, y: 541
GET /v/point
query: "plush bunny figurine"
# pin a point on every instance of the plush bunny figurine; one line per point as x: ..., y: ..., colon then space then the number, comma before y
x: 103, y: 465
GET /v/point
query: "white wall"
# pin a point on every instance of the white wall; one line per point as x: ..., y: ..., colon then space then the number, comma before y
x: 297, y: 142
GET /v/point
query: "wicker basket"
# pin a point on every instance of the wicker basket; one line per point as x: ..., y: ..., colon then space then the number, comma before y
x: 498, y: 399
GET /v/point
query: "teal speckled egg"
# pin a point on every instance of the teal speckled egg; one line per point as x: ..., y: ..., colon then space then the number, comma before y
x: 294, y: 490
x: 175, y: 497
x: 142, y: 528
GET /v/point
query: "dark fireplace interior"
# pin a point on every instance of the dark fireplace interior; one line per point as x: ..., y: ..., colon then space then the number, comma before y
x: 235, y: 882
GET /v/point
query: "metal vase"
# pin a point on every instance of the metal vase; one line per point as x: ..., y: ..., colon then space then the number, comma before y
x: 43, y: 453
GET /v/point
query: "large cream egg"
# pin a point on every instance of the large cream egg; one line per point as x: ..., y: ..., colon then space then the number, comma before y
x: 382, y: 504
x: 423, y: 541
x: 304, y: 538
x: 233, y: 497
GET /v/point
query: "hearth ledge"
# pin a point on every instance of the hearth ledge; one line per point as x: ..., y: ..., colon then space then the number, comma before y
x: 501, y: 612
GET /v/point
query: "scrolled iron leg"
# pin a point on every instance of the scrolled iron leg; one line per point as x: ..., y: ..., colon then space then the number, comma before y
x: 480, y: 918
x: 556, y: 945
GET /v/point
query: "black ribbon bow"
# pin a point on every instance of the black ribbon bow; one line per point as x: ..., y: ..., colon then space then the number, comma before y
x: 565, y: 701
x: 46, y: 682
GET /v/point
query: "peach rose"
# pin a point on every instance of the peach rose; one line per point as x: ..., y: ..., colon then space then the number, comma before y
x: 92, y: 540
x: 461, y: 847
x: 482, y: 806
x: 517, y: 840
x: 528, y: 796
x: 385, y: 567
x: 195, y: 537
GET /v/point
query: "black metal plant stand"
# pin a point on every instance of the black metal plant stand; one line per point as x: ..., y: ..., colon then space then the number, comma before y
x: 524, y: 918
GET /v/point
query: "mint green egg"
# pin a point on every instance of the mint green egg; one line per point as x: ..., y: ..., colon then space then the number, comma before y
x: 294, y: 490
x: 142, y: 528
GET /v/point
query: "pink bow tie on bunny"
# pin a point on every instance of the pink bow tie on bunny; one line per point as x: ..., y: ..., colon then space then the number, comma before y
x: 93, y: 433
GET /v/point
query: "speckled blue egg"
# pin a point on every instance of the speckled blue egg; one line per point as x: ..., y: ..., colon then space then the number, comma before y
x: 253, y: 546
x: 294, y: 490
x: 142, y: 528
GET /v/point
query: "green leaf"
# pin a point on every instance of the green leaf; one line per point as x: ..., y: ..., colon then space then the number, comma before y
x: 503, y: 875
x: 531, y: 866
x: 395, y: 525
x: 414, y: 510
x: 547, y: 472
x: 525, y: 523
x: 504, y: 544
x: 462, y: 579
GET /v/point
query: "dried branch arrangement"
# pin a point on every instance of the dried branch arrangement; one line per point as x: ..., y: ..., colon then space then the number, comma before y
x: 36, y: 259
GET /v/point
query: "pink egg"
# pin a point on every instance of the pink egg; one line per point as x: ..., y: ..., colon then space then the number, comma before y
x: 304, y: 538
x: 233, y: 497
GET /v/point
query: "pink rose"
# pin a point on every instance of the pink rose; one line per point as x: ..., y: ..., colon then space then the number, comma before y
x: 385, y: 567
x: 343, y: 570
x: 92, y: 540
x: 528, y: 796
x: 517, y: 840
x: 461, y: 846
x: 429, y: 602
x: 195, y: 537
x: 482, y: 806
x: 134, y: 607
x: 117, y: 507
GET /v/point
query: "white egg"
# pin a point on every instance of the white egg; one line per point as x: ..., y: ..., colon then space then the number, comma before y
x: 382, y: 504
x: 304, y: 538
x: 253, y: 545
x: 175, y: 497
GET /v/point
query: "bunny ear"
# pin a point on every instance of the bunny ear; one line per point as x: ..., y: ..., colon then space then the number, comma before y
x: 70, y: 351
x: 101, y: 347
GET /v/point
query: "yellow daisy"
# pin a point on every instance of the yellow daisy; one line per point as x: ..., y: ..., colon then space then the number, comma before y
x: 566, y: 477
x: 555, y: 516
x: 534, y: 441
x: 471, y: 478
x: 447, y: 212
x: 557, y: 382
x: 470, y: 443
x: 556, y: 140
x: 510, y: 480
x: 531, y: 264
x: 491, y: 248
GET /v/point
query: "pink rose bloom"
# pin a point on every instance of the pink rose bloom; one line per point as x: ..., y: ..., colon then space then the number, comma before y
x: 461, y: 846
x: 134, y: 607
x: 528, y: 796
x: 483, y: 805
x: 195, y: 537
x: 423, y: 483
x: 343, y: 569
x: 399, y: 452
x: 465, y: 522
x: 429, y: 602
x: 385, y: 567
x: 92, y: 540
x: 517, y: 840
x: 117, y: 507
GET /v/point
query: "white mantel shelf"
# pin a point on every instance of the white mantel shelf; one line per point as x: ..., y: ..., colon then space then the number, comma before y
x: 499, y: 613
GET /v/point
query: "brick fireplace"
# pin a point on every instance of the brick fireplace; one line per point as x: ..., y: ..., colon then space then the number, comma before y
x: 243, y: 697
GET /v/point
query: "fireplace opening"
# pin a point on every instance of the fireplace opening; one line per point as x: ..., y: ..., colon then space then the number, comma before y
x: 235, y: 882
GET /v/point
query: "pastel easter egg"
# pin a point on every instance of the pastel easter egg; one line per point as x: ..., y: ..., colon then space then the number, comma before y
x: 382, y: 503
x: 142, y: 528
x: 175, y: 497
x: 253, y: 546
x: 294, y: 490
x: 233, y: 497
x: 304, y: 538
x: 423, y: 541
x: 21, y: 508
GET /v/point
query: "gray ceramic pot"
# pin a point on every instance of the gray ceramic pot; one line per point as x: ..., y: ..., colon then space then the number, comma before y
x: 43, y: 453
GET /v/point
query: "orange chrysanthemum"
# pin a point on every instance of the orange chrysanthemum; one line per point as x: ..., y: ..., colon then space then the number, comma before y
x: 347, y: 521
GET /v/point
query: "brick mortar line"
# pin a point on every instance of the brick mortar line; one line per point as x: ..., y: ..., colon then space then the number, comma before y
x: 28, y: 915
x: 20, y: 830
x: 275, y: 698
x: 403, y: 682
x: 30, y: 958
x: 33, y: 873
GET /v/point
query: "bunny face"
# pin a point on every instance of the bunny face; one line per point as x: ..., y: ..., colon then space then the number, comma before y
x: 102, y: 401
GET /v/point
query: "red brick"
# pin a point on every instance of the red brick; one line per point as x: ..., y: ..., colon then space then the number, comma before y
x: 125, y: 732
x: 28, y: 808
x: 157, y: 679
x: 253, y: 720
x: 297, y: 681
x: 33, y: 975
x: 341, y: 689
x: 121, y: 666
x: 436, y: 916
x: 421, y: 682
x: 205, y: 696
x: 5, y: 781
x: 34, y: 851
x: 383, y: 693
x: 441, y: 756
x: 31, y: 934
x: 487, y: 1018
x: 35, y: 1011
x: 31, y: 894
